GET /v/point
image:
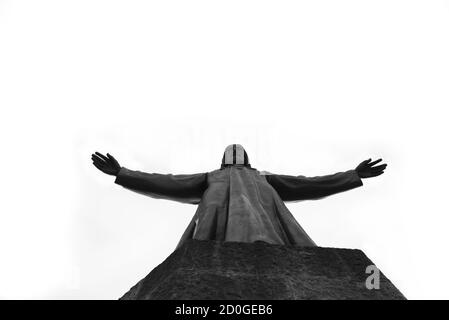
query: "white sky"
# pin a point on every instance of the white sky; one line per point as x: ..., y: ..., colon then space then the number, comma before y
x: 310, y: 87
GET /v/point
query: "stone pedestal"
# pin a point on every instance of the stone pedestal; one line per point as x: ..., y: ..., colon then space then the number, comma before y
x: 232, y: 270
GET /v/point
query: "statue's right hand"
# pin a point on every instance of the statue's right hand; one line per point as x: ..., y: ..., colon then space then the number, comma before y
x: 106, y: 164
x: 366, y: 169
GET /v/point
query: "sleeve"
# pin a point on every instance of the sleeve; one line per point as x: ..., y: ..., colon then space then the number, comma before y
x: 186, y: 188
x: 293, y: 188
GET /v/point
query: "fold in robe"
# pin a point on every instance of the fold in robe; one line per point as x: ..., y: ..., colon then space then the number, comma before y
x: 238, y: 203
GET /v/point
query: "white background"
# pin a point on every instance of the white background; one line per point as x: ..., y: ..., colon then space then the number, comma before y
x: 310, y: 87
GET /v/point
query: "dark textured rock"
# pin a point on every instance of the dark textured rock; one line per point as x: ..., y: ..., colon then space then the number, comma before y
x: 232, y: 270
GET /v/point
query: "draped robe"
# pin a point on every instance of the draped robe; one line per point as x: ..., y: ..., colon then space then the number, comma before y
x: 239, y: 203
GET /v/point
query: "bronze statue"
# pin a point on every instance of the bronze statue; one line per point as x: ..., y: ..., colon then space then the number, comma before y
x: 238, y: 202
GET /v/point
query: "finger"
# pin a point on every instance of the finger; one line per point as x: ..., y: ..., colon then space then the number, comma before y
x: 113, y: 160
x: 375, y: 162
x: 375, y: 174
x: 381, y: 167
x: 366, y: 161
x: 98, y: 167
x: 98, y: 159
x: 99, y: 164
x: 95, y: 156
x: 102, y: 156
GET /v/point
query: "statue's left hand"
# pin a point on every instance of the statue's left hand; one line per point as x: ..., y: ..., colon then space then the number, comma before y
x: 366, y: 169
x: 106, y: 164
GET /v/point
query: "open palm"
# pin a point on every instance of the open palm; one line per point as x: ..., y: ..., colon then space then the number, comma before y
x: 106, y: 164
x: 367, y: 169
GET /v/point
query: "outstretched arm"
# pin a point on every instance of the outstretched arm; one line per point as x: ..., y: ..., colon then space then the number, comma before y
x: 187, y: 188
x: 293, y: 188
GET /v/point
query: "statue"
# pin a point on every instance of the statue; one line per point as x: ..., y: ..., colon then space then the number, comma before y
x: 237, y: 202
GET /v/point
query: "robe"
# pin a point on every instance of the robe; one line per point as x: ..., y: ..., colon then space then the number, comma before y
x: 239, y: 203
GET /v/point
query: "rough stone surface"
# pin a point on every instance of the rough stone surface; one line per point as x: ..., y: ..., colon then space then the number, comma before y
x: 232, y: 270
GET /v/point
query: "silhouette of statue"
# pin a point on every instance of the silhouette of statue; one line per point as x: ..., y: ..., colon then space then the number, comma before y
x: 237, y: 202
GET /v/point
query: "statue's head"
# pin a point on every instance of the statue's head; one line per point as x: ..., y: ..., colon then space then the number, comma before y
x: 235, y: 155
